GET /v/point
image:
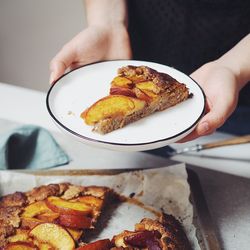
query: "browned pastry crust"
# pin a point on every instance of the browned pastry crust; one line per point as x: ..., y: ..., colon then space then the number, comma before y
x: 165, y: 82
x: 168, y: 90
x: 12, y: 205
x: 162, y: 92
x: 165, y: 233
x: 10, y: 209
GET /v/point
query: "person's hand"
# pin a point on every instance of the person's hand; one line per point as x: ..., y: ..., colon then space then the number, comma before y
x: 95, y: 43
x: 221, y: 90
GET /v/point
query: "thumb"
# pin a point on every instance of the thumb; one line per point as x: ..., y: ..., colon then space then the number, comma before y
x: 61, y: 62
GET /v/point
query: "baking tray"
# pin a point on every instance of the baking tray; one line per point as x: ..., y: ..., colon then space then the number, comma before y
x: 202, y: 219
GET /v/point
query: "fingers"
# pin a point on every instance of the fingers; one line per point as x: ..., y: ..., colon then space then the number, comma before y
x: 57, y: 69
x: 193, y: 135
x: 61, y: 62
x: 93, y: 44
x: 85, y: 47
x: 203, y: 128
x: 212, y: 120
x: 218, y: 112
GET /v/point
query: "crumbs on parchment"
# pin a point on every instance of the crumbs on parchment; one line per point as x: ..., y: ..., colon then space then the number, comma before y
x: 71, y: 112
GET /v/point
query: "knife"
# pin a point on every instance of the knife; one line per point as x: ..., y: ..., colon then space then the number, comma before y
x: 198, y: 147
x: 170, y: 151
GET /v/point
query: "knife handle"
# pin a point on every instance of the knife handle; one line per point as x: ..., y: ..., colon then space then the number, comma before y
x: 234, y: 141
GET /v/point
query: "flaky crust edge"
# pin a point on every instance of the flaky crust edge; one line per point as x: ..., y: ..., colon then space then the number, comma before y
x: 12, y: 205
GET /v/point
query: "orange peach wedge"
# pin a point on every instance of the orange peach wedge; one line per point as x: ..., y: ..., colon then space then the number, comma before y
x: 111, y: 106
x: 91, y: 201
x: 120, y: 81
x: 75, y: 233
x: 114, y: 90
x: 35, y: 209
x: 61, y: 206
x: 29, y: 223
x: 48, y: 216
x: 75, y: 221
x: 53, y: 235
x: 149, y: 86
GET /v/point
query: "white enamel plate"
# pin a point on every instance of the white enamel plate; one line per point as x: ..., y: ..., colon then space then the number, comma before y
x: 80, y: 88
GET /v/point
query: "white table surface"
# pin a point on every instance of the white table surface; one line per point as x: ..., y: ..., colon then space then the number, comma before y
x: 225, y: 182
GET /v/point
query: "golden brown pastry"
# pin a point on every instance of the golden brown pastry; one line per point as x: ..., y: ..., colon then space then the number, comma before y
x: 136, y: 92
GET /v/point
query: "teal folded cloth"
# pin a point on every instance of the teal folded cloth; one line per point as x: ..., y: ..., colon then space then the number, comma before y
x: 30, y: 147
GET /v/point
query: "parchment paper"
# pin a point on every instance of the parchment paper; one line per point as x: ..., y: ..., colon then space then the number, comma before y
x: 164, y: 189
